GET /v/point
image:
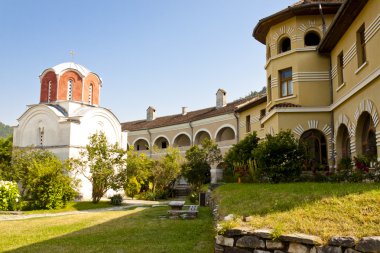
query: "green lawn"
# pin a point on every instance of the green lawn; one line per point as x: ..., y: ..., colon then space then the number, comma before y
x: 138, y: 230
x: 323, y: 209
x: 75, y: 206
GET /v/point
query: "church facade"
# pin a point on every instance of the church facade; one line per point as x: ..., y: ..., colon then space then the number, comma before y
x: 67, y: 114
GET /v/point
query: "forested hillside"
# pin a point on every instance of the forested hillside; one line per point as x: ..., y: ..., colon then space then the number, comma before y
x: 5, y: 130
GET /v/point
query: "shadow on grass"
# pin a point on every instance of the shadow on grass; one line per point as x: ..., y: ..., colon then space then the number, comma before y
x: 263, y: 199
x: 142, y: 231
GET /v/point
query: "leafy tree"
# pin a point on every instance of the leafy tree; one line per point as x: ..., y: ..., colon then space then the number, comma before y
x: 166, y: 170
x: 241, y: 153
x: 100, y: 162
x: 199, y: 161
x: 280, y: 157
x: 46, y: 181
x: 132, y: 187
x: 6, y: 158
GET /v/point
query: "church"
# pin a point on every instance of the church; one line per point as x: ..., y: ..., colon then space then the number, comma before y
x: 67, y: 114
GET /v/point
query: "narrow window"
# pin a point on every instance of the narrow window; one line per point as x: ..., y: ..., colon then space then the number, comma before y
x: 262, y: 115
x: 138, y: 147
x: 49, y: 91
x: 286, y: 82
x: 312, y: 39
x: 284, y: 45
x: 248, y: 123
x: 70, y: 90
x: 340, y: 68
x: 269, y: 89
x: 360, y: 46
x: 268, y: 52
x: 163, y: 144
x: 90, y: 94
x: 41, y: 136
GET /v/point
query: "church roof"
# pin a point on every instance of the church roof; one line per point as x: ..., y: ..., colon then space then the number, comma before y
x: 187, y: 118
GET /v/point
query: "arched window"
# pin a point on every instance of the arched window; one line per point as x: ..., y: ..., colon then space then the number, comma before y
x: 49, y: 91
x: 70, y: 90
x: 284, y: 45
x: 90, y: 89
x: 312, y: 39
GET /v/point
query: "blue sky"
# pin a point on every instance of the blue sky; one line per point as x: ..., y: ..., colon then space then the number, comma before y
x: 161, y: 53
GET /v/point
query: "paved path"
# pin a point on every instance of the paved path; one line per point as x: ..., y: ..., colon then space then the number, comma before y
x: 130, y: 204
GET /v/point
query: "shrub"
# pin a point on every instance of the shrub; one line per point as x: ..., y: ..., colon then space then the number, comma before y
x: 9, y: 196
x: 116, y: 200
x: 132, y: 187
x: 279, y: 157
x: 45, y: 180
x: 241, y: 153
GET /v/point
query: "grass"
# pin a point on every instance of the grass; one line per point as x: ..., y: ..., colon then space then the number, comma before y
x: 138, y: 230
x: 74, y: 206
x: 322, y: 209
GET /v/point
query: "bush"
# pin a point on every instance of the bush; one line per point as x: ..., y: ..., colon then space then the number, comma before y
x: 132, y: 187
x: 279, y: 157
x: 45, y: 180
x: 116, y: 200
x: 9, y: 196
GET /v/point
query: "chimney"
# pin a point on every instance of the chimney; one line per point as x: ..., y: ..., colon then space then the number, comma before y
x: 150, y: 113
x: 184, y: 110
x: 221, y: 99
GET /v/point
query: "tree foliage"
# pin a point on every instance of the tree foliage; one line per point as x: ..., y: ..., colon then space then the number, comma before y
x: 199, y: 161
x: 6, y: 158
x: 241, y: 153
x: 46, y: 181
x: 280, y: 157
x: 100, y: 162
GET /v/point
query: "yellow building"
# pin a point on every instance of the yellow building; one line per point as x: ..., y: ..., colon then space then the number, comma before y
x: 323, y: 70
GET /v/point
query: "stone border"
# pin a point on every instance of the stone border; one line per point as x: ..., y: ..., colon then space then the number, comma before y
x: 240, y: 240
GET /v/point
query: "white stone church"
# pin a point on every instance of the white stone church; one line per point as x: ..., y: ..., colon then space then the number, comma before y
x: 67, y: 114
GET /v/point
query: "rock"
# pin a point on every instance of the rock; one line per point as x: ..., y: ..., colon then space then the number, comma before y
x: 263, y: 233
x: 343, y: 241
x: 234, y: 232
x: 274, y: 244
x: 260, y: 251
x: 229, y: 217
x: 369, y: 244
x: 247, y: 218
x: 236, y: 250
x: 313, y: 250
x: 297, y: 248
x: 218, y: 249
x: 278, y: 251
x: 329, y: 249
x: 225, y: 241
x: 301, y: 238
x: 252, y: 242
x: 351, y: 251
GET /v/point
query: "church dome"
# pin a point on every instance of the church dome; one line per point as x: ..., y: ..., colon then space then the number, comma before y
x: 71, y: 65
x: 70, y: 81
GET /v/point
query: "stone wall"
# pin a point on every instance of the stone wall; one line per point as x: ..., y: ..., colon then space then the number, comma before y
x: 261, y: 241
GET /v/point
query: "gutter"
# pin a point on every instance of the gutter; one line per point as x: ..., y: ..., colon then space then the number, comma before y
x: 237, y: 127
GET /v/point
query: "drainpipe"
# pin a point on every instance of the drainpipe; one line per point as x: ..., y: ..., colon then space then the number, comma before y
x: 192, y: 134
x: 332, y: 118
x: 150, y: 142
x: 237, y: 127
x: 323, y: 19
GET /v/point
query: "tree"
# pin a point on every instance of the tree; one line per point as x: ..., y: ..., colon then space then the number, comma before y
x: 5, y: 130
x: 280, y: 157
x: 45, y: 180
x: 199, y: 161
x: 241, y: 153
x: 6, y: 145
x: 166, y: 170
x: 100, y: 162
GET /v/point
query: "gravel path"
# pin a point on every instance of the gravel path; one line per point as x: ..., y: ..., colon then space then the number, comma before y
x: 11, y: 217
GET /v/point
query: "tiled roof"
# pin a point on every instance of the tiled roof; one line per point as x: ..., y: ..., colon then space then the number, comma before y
x: 283, y: 105
x: 179, y: 118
